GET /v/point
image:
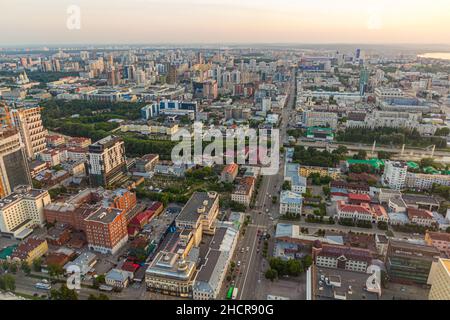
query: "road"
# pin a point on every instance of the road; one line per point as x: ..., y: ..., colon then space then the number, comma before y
x: 253, y: 265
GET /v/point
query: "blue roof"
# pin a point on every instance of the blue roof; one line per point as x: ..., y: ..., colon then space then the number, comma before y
x: 291, y: 197
x: 293, y: 174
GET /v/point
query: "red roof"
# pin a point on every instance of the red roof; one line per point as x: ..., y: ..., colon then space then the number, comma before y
x: 155, y: 206
x: 363, y: 208
x: 419, y: 213
x: 130, y: 266
x: 359, y: 197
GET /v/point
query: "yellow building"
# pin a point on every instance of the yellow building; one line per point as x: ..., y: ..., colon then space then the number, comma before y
x: 334, y: 173
x: 30, y: 250
x: 440, y: 280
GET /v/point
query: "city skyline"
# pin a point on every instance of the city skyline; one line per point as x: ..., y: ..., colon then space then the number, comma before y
x: 219, y: 21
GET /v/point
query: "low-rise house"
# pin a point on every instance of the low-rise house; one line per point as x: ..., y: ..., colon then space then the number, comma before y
x: 118, y: 278
x: 147, y: 162
x: 244, y: 191
x: 229, y: 173
x: 29, y: 250
x: 440, y: 241
x: 85, y: 262
x: 421, y: 217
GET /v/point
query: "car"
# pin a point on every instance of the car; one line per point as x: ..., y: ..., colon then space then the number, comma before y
x: 239, y: 264
x: 248, y: 249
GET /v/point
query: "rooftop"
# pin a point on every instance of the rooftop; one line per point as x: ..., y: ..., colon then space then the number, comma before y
x: 104, y: 215
x: 199, y: 201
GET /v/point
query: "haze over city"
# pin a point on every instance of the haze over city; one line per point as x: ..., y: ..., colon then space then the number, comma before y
x: 226, y: 21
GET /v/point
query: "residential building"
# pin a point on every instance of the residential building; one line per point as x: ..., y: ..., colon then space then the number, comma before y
x: 106, y: 230
x: 440, y: 280
x: 14, y: 170
x: 291, y: 203
x: 78, y: 142
x: 292, y: 175
x: 440, y: 241
x: 313, y: 118
x: 334, y: 173
x: 229, y: 173
x: 394, y: 175
x: 29, y: 250
x: 244, y: 191
x: 408, y: 262
x: 147, y: 162
x: 341, y: 257
x: 29, y: 124
x: 421, y: 217
x: 22, y: 210
x: 423, y: 181
x: 107, y: 162
x: 54, y: 141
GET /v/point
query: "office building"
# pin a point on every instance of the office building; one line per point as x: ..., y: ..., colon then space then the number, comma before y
x: 341, y: 257
x: 29, y: 124
x: 408, y: 262
x: 320, y: 119
x: 106, y: 161
x: 14, y: 170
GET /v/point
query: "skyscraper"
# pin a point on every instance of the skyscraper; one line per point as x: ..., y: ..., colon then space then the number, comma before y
x: 107, y: 163
x: 14, y: 170
x: 29, y: 124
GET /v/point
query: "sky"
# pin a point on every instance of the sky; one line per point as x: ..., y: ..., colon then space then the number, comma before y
x: 224, y: 21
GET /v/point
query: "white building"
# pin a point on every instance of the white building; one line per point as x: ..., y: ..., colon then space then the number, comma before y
x: 394, y: 175
x: 425, y: 181
x: 22, y: 210
x: 291, y: 202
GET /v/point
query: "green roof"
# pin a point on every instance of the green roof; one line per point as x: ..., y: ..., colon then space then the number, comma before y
x: 413, y: 165
x: 5, y: 253
x: 376, y: 163
x: 430, y: 170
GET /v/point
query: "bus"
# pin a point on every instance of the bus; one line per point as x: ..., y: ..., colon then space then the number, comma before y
x: 43, y: 286
x: 235, y: 293
x: 230, y: 293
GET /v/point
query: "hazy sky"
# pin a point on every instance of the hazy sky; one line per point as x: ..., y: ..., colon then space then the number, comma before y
x: 225, y: 21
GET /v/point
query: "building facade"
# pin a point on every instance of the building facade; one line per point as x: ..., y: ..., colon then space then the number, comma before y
x: 106, y: 161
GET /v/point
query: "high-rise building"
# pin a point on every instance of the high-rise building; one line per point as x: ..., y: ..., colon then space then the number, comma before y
x: 33, y: 134
x: 107, y: 162
x: 14, y: 170
x: 171, y: 74
x: 106, y: 230
x: 395, y: 174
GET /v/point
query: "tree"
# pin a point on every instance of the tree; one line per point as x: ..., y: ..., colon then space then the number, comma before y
x: 55, y: 270
x: 99, y: 280
x: 286, y: 185
x: 361, y: 155
x: 271, y: 274
x: 63, y: 293
x: 384, y: 155
x: 7, y: 282
x: 25, y: 268
x: 442, y: 132
x: 37, y: 264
